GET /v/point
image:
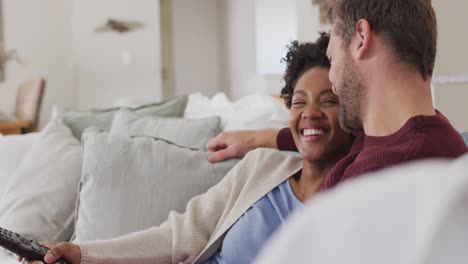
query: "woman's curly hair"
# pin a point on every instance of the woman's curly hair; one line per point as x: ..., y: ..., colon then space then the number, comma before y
x: 299, y: 59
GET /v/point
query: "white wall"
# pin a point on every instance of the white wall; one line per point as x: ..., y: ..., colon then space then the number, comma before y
x: 197, y: 47
x: 47, y: 33
x: 308, y: 22
x: 452, y: 59
x: 239, y: 37
x: 110, y: 65
x: 275, y: 27
x: 240, y: 53
x: 214, y: 48
x: 40, y: 32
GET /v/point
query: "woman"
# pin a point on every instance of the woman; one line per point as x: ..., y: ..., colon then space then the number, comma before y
x: 232, y: 220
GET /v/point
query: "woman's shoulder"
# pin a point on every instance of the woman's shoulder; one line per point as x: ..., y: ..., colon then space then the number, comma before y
x: 273, y: 158
x: 264, y: 152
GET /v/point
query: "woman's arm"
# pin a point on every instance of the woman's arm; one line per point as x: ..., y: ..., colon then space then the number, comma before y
x: 183, y: 236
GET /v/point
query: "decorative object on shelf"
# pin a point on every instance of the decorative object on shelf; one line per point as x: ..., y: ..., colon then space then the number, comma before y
x: 324, y: 6
x: 7, y: 56
x: 120, y: 26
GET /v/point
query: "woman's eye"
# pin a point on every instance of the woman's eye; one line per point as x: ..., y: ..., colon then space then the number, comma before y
x: 298, y: 103
x: 330, y: 102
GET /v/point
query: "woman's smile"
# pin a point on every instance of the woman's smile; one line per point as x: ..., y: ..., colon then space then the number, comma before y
x: 313, y: 133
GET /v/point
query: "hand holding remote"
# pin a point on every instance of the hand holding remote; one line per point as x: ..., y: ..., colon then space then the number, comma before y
x: 33, y: 251
x: 59, y: 251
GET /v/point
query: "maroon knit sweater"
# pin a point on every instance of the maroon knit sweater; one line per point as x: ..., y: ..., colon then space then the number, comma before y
x: 421, y: 137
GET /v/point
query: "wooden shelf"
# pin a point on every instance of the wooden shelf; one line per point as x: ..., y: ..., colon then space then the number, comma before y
x: 13, y: 127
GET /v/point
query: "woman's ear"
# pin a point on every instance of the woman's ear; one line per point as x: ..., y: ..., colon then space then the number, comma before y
x: 363, y: 38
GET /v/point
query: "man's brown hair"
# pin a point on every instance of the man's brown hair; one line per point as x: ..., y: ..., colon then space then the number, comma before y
x: 408, y: 26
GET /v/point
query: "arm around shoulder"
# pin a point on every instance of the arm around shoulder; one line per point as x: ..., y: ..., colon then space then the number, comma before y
x: 235, y: 144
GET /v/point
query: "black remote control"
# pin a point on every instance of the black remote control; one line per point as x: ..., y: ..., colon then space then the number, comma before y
x: 23, y: 247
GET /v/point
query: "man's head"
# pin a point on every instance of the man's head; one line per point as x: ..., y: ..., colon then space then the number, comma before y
x: 407, y: 29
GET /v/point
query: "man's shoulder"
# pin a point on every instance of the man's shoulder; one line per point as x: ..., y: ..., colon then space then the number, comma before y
x: 435, y: 137
x: 424, y: 137
x: 444, y: 143
x: 431, y: 142
x: 428, y: 143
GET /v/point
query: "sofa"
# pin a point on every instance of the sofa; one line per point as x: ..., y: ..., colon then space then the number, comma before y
x: 102, y: 173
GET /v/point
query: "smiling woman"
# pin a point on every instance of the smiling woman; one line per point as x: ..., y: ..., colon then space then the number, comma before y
x: 314, y: 118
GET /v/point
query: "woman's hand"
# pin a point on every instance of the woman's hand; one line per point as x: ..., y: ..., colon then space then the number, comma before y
x: 65, y: 250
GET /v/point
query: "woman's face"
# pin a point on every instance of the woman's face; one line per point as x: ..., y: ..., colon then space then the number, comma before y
x: 313, y: 118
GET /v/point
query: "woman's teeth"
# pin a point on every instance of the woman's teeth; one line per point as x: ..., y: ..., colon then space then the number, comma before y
x: 313, y: 132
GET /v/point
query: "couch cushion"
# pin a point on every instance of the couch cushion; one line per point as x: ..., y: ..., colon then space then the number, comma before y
x: 40, y: 198
x: 255, y: 111
x: 13, y: 148
x: 102, y: 118
x: 191, y: 133
x: 130, y: 184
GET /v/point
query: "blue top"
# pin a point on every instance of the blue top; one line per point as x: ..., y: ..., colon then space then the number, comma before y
x: 246, y: 237
x: 464, y: 135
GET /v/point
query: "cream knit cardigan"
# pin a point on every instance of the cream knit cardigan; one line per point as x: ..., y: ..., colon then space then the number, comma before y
x: 193, y: 237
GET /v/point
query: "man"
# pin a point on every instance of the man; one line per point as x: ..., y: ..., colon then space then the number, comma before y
x: 382, y: 55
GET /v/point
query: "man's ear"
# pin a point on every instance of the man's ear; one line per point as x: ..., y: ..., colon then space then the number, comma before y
x: 363, y: 39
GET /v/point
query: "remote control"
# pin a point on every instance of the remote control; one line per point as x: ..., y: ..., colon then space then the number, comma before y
x: 23, y: 247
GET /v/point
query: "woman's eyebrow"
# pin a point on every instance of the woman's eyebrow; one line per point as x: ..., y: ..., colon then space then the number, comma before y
x: 326, y: 91
x: 300, y: 92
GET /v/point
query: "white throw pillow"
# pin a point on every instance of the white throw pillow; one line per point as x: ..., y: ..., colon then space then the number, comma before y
x: 191, y: 133
x: 255, y: 111
x: 13, y: 148
x: 7, y: 258
x: 39, y: 200
x: 130, y: 184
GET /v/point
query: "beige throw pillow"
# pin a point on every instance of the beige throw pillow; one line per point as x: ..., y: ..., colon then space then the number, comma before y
x: 190, y: 133
x: 102, y: 118
x: 131, y: 184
